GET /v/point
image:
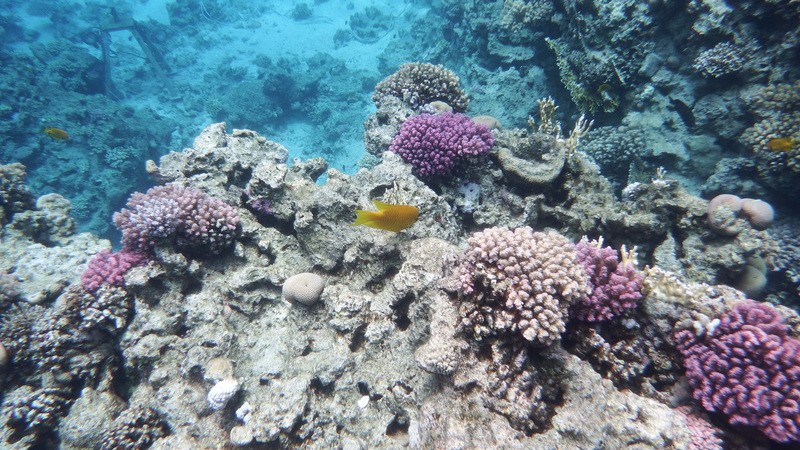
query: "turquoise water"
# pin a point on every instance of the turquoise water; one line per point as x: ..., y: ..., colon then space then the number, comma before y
x: 134, y: 81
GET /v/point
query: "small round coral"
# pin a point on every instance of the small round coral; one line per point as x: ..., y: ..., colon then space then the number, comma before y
x: 221, y: 393
x: 520, y: 283
x: 435, y: 144
x: 759, y: 212
x: 304, y: 288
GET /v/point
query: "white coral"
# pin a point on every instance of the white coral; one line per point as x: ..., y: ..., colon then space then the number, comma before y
x: 221, y: 393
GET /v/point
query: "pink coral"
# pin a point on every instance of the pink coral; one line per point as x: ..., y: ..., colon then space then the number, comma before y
x: 519, y: 283
x: 435, y: 144
x: 616, y: 286
x: 748, y: 368
x: 110, y: 268
x: 177, y: 215
x: 702, y: 435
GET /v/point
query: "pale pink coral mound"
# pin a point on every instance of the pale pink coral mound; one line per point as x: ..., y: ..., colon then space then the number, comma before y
x: 519, y: 283
x: 759, y: 212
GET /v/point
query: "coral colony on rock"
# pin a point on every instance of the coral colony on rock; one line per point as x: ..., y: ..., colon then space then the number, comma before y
x: 630, y: 279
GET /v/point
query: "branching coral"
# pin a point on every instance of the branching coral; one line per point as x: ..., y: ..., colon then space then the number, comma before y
x: 184, y: 217
x: 519, y: 283
x: 616, y: 285
x: 723, y: 59
x: 747, y: 367
x: 435, y: 144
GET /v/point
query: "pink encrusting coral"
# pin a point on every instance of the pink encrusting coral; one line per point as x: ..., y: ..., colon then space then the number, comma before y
x: 747, y: 367
x: 109, y: 268
x: 616, y: 286
x: 434, y: 144
x: 177, y: 215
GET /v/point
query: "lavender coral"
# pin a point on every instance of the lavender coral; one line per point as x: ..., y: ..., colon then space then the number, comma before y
x: 177, y: 215
x: 434, y: 144
x: 519, y: 282
x: 747, y: 367
x: 615, y: 286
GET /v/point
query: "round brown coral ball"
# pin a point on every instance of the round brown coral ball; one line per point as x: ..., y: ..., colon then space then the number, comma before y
x: 759, y: 212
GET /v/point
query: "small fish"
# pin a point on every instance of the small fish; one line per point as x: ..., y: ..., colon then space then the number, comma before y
x: 780, y: 144
x: 608, y: 97
x: 684, y: 112
x: 388, y: 217
x: 56, y: 133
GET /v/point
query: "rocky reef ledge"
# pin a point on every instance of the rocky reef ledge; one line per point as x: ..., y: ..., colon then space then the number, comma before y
x: 192, y: 344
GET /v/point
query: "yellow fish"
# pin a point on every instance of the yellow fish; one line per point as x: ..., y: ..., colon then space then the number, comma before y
x: 780, y: 144
x: 56, y: 133
x: 388, y: 217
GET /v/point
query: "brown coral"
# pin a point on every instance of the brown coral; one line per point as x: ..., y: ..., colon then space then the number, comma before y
x: 418, y: 84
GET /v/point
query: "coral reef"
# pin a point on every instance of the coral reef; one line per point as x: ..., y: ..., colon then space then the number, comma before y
x: 242, y: 309
x: 455, y: 325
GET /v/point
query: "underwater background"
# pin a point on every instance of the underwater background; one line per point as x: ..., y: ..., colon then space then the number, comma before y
x: 575, y: 212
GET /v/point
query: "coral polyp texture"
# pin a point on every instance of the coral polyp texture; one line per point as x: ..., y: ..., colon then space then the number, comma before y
x: 748, y: 368
x: 616, y: 286
x: 417, y: 84
x: 175, y: 215
x: 434, y: 144
x: 109, y: 268
x: 724, y: 58
x: 520, y: 283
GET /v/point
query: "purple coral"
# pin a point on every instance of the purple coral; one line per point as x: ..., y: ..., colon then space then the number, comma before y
x: 747, y: 367
x: 110, y: 268
x: 434, y: 144
x: 177, y: 215
x: 615, y: 286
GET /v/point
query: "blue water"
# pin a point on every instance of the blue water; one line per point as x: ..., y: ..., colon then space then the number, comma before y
x: 302, y: 74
